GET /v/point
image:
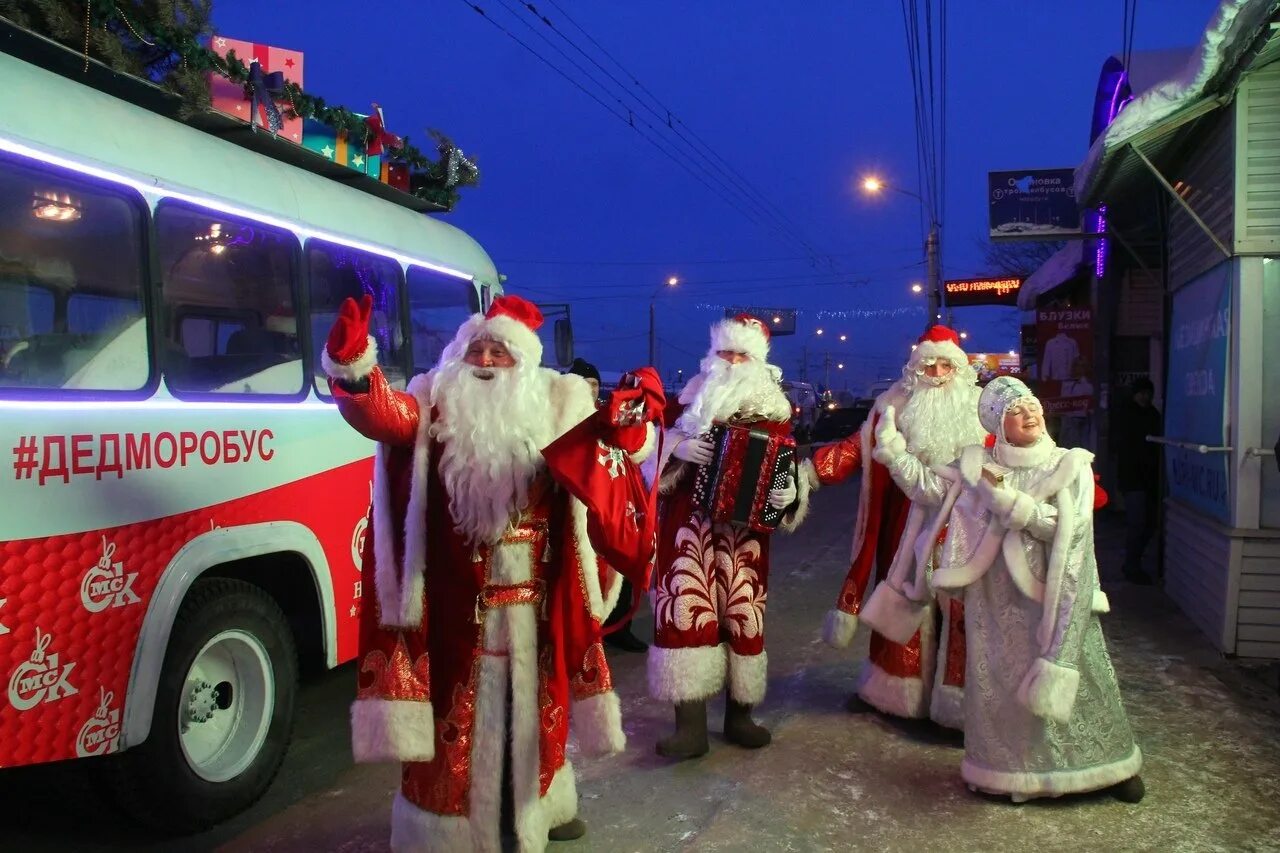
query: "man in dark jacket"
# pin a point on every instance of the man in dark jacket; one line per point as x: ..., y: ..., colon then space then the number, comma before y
x: 1139, y: 475
x: 621, y: 638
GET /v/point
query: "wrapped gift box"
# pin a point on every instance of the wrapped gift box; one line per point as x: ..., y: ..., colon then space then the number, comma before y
x: 396, y: 175
x: 230, y: 97
x: 334, y: 145
x: 745, y: 466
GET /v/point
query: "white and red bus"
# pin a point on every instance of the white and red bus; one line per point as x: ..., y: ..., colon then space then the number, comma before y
x: 181, y: 506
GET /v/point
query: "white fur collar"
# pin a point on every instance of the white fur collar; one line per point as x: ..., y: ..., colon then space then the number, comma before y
x: 1024, y: 457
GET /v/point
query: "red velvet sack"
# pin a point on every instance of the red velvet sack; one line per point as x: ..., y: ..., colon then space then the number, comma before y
x: 592, y: 461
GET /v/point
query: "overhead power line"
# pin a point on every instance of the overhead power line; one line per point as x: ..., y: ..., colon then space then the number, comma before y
x: 762, y: 214
x: 731, y: 201
x: 664, y: 114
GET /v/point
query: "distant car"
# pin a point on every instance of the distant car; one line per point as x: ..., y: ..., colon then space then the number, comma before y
x: 840, y: 422
x: 804, y: 407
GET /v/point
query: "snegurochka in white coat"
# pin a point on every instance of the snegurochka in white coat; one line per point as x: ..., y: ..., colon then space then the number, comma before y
x: 1043, y: 714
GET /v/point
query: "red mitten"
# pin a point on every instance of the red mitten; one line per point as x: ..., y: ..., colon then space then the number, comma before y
x: 350, y: 333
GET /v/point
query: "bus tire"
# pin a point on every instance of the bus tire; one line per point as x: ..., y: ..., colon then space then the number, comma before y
x: 223, y: 716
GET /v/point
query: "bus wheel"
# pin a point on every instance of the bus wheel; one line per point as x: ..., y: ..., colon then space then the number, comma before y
x: 223, y: 715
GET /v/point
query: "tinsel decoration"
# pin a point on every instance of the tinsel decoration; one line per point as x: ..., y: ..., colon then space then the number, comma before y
x: 458, y: 170
x: 166, y: 42
x: 262, y: 91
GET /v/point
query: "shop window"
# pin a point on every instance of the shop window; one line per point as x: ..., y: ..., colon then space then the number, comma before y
x: 438, y: 305
x: 72, y: 278
x: 336, y: 272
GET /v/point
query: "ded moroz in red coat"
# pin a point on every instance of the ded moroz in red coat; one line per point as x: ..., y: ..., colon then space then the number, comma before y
x: 924, y: 677
x: 449, y: 630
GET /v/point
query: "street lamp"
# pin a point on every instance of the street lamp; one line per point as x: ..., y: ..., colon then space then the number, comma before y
x: 844, y: 337
x: 818, y: 332
x: 916, y: 288
x: 874, y: 185
x: 653, y: 298
x: 964, y: 336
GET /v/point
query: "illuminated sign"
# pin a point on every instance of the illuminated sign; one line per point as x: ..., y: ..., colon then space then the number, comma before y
x: 982, y: 291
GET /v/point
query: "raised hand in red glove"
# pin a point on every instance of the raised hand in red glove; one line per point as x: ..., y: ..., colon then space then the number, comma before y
x: 637, y: 400
x: 349, y: 337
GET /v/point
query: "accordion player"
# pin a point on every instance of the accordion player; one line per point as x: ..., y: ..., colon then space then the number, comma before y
x: 746, y: 464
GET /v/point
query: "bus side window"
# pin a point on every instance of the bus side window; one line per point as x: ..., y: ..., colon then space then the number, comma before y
x: 438, y: 304
x: 229, y: 304
x: 72, y: 275
x: 336, y: 272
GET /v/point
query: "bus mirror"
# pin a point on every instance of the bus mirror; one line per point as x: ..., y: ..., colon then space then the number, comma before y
x: 564, y: 342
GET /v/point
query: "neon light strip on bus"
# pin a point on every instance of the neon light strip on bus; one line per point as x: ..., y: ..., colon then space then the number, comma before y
x: 154, y: 404
x: 142, y: 187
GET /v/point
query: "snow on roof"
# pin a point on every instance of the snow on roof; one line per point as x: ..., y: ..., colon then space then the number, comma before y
x: 1061, y: 266
x: 1227, y: 37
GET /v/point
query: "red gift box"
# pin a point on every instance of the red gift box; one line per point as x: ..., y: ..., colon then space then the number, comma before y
x: 230, y: 97
x: 395, y: 174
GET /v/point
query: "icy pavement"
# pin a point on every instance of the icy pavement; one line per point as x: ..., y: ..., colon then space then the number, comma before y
x: 1210, y: 730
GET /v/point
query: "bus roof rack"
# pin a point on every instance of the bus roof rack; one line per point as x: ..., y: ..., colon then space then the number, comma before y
x: 48, y: 54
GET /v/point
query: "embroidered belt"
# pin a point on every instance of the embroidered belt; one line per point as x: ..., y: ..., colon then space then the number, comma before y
x: 508, y: 595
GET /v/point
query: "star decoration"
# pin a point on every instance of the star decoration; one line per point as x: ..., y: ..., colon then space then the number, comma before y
x: 239, y: 108
x: 220, y: 41
x: 327, y: 151
x: 288, y: 63
x: 358, y: 161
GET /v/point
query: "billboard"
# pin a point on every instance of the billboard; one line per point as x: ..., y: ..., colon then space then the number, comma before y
x: 964, y: 292
x: 1037, y: 204
x: 1196, y: 397
x: 990, y: 365
x: 1064, y: 360
x: 781, y: 321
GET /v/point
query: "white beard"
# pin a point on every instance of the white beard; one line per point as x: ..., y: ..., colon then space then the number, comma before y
x: 491, y: 434
x: 748, y: 389
x: 939, y: 421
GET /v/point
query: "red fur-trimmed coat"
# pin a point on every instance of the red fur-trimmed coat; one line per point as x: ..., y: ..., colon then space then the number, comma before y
x: 435, y: 675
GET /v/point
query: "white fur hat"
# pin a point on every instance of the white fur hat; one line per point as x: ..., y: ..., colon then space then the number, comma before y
x: 744, y: 334
x: 940, y: 342
x: 511, y: 319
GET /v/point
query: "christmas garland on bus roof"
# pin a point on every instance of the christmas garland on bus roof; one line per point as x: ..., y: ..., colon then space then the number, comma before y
x: 165, y: 41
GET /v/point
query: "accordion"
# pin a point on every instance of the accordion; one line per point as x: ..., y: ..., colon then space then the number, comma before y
x: 745, y: 466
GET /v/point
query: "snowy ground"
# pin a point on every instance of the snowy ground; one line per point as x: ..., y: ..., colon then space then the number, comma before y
x: 831, y: 781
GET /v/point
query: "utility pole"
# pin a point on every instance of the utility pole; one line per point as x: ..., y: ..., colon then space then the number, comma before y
x: 934, y: 285
x: 826, y: 363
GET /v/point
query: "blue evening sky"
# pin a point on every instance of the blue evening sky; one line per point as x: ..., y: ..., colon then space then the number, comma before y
x: 801, y: 99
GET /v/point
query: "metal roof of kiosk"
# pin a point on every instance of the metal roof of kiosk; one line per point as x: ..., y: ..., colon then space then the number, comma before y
x: 49, y: 116
x: 1062, y: 266
x: 1121, y: 159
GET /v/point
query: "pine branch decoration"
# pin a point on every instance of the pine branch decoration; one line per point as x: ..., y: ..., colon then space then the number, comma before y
x: 165, y: 41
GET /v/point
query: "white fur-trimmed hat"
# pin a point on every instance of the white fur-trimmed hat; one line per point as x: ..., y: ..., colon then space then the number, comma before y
x: 743, y: 333
x: 940, y: 342
x: 513, y: 320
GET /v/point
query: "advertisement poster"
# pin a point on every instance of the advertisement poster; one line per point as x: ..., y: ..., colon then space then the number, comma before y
x: 1033, y: 204
x: 1064, y: 360
x: 1195, y: 400
x: 991, y: 365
